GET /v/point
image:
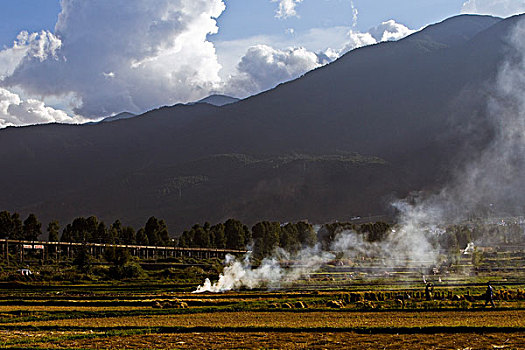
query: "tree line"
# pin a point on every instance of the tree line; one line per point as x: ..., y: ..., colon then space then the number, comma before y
x: 83, y: 230
x: 262, y: 238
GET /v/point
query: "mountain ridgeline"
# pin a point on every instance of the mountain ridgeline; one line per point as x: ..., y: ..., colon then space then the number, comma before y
x: 341, y: 141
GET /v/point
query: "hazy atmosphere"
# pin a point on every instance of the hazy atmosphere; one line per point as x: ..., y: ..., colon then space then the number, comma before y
x: 237, y: 174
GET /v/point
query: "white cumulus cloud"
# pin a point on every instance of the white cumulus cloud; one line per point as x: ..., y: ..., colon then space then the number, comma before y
x: 134, y: 55
x: 40, y: 46
x: 386, y: 31
x: 14, y: 111
x: 390, y: 31
x: 286, y: 8
x: 263, y: 67
x: 501, y: 8
x: 356, y: 40
x: 120, y: 55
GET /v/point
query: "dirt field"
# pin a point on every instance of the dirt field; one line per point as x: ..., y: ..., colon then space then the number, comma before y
x: 307, y: 340
x: 75, y: 319
x: 306, y: 319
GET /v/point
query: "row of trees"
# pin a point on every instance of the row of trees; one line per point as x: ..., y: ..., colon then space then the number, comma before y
x: 231, y: 234
x: 373, y: 232
x: 11, y: 226
x: 154, y: 232
x: 263, y: 237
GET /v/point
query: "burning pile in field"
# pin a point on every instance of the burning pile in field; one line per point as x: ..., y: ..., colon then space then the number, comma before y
x: 270, y: 273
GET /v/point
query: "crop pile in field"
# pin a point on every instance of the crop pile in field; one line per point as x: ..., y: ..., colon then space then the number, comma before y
x: 300, y: 305
x: 170, y: 304
x: 509, y: 294
x: 420, y: 296
x: 335, y: 304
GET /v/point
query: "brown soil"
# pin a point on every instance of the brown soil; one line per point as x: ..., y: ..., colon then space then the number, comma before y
x: 489, y: 318
x: 301, y: 341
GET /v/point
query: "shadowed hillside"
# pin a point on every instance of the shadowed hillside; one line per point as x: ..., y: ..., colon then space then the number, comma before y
x: 342, y: 140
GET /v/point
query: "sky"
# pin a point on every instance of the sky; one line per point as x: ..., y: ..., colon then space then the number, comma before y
x: 73, y: 61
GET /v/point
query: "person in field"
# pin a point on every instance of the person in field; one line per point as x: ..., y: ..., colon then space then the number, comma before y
x: 489, y: 295
x: 428, y: 291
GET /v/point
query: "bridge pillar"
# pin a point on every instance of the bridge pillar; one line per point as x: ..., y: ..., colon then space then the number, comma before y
x: 21, y: 252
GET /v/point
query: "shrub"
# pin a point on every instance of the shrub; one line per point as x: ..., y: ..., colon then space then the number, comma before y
x: 130, y: 270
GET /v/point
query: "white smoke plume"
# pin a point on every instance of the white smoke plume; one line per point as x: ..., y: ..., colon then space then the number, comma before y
x: 270, y: 273
x: 355, y: 14
x: 493, y: 181
x: 496, y: 177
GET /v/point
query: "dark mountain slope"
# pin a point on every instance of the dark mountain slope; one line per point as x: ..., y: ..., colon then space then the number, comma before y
x: 340, y: 141
x: 120, y: 116
x: 219, y: 100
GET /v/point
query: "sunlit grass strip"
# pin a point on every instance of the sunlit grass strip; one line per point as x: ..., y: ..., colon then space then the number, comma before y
x: 94, y: 335
x: 60, y: 315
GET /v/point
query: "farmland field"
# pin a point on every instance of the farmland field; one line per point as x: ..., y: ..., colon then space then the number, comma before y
x: 366, y: 315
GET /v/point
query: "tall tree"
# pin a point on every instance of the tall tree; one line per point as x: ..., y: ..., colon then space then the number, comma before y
x: 115, y: 232
x: 236, y: 234
x: 32, y: 228
x: 157, y: 232
x: 52, y: 231
x: 101, y: 234
x: 142, y: 239
x: 16, y: 227
x: 289, y: 238
x: 201, y: 237
x: 186, y: 239
x: 266, y: 238
x: 10, y: 225
x: 83, y: 260
x: 219, y: 239
x: 128, y: 235
x: 81, y: 230
x: 306, y: 234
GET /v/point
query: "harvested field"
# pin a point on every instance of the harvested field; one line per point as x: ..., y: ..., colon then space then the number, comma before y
x: 52, y: 308
x: 307, y: 319
x: 278, y: 340
x: 371, y: 318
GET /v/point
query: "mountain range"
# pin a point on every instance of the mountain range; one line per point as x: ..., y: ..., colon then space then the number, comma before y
x: 341, y: 141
